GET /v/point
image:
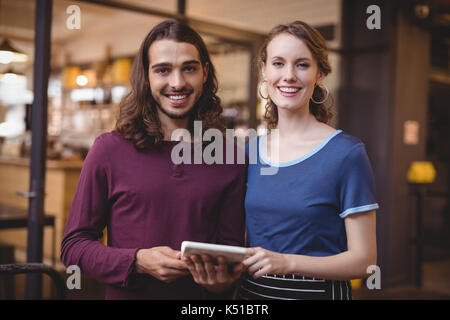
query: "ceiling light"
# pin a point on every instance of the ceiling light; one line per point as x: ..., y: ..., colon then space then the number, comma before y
x: 10, y: 75
x: 9, y: 54
x: 82, y: 80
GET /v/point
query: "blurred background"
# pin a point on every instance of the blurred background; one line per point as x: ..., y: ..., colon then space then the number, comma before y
x: 390, y: 86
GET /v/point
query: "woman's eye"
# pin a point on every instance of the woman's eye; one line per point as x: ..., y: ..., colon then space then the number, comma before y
x: 278, y: 64
x: 303, y: 65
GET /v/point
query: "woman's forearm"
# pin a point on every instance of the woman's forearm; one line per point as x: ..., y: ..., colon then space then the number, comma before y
x: 343, y: 266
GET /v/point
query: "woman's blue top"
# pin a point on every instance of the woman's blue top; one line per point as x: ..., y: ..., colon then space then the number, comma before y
x: 300, y: 207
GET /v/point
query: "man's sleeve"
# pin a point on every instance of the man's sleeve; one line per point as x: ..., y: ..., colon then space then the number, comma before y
x: 87, y: 219
x: 231, y: 224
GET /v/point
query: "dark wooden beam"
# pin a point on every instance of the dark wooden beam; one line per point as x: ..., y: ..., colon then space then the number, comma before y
x: 224, y: 32
x: 181, y: 7
x: 38, y: 143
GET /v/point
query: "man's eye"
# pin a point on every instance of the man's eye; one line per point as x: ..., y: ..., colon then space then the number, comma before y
x: 189, y: 69
x: 162, y: 71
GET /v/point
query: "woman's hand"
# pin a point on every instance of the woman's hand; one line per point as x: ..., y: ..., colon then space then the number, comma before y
x: 214, y: 277
x: 260, y: 261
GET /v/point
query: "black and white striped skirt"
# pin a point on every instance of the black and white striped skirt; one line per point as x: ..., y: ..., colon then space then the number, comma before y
x: 292, y: 287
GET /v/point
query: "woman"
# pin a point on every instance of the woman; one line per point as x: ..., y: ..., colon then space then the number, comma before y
x: 311, y: 225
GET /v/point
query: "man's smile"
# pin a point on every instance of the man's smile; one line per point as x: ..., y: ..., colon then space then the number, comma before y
x: 178, y: 98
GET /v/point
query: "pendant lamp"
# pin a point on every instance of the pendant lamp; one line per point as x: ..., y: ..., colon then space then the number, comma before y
x: 10, y: 54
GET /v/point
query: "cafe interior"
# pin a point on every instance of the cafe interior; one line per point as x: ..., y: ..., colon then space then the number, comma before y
x: 65, y: 67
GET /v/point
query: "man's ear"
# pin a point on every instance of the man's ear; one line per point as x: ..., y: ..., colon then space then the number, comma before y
x: 205, y: 72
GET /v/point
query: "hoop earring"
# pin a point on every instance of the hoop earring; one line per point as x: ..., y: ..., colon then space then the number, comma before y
x: 259, y: 90
x: 326, y: 96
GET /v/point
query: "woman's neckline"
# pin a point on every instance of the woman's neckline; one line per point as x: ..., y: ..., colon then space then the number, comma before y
x: 298, y: 160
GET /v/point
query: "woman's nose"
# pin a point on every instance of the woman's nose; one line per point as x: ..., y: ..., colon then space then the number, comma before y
x: 289, y: 74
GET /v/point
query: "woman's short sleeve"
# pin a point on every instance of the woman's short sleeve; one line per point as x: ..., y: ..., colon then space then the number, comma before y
x: 356, y: 183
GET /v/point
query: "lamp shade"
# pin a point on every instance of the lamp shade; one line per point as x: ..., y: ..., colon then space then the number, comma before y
x: 9, y: 54
x: 10, y: 75
x: 421, y: 172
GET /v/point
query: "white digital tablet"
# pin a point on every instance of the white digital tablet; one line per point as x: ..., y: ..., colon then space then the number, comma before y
x: 232, y: 254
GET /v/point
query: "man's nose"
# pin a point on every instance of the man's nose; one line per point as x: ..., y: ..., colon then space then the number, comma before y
x: 176, y: 80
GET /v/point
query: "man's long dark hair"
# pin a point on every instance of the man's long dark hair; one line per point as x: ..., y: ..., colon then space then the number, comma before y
x: 138, y: 119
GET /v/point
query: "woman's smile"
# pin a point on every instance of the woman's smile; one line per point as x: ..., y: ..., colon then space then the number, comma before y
x: 289, y: 91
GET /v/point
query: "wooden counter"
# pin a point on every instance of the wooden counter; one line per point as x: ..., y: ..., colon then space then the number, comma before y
x: 60, y: 184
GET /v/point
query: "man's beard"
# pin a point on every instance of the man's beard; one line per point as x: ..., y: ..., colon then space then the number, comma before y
x: 173, y: 115
x: 184, y: 115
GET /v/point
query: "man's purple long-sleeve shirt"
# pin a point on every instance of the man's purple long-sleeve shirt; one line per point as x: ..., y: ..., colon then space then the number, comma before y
x: 145, y: 200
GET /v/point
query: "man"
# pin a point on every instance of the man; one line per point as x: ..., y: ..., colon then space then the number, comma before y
x: 149, y: 204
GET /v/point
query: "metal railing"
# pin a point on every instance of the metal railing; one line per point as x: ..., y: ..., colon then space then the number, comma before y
x: 36, y: 268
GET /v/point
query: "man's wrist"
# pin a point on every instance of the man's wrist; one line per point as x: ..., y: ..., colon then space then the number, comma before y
x: 137, y: 262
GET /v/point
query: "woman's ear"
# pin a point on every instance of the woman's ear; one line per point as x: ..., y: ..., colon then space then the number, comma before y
x: 320, y: 78
x: 263, y: 71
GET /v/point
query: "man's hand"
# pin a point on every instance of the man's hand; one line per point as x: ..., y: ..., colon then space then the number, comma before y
x: 214, y: 277
x: 163, y: 263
